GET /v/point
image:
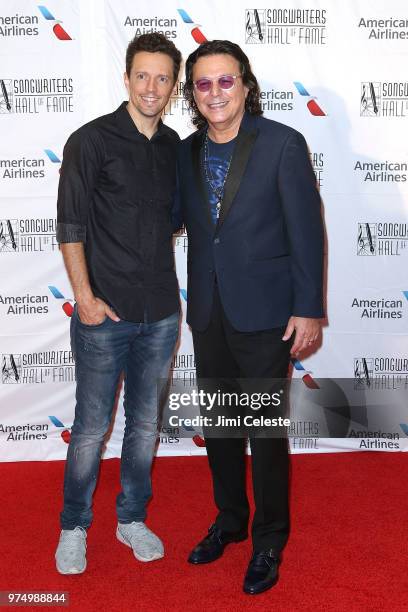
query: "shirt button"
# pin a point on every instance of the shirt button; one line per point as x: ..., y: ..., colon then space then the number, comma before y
x: 216, y: 241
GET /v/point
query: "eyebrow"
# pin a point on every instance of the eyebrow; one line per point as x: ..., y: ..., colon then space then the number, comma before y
x: 158, y: 75
x: 217, y: 77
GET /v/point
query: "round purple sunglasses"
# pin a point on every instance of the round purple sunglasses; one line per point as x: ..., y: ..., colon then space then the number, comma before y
x: 226, y: 81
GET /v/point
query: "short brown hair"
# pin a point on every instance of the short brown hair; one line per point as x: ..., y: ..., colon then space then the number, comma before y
x: 153, y: 43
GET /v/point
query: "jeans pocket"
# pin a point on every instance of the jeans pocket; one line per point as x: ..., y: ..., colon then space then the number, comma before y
x: 86, y: 325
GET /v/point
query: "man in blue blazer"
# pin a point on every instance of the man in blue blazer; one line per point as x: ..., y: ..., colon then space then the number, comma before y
x: 252, y: 213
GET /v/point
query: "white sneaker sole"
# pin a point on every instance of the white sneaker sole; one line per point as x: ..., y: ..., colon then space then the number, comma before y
x: 71, y: 571
x: 157, y: 555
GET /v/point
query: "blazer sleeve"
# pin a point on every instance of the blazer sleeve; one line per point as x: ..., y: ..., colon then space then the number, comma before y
x: 302, y: 212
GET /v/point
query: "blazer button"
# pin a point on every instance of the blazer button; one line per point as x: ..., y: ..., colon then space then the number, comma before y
x: 216, y: 241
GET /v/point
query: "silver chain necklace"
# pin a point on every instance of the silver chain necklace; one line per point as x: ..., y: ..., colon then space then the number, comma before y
x: 218, y: 191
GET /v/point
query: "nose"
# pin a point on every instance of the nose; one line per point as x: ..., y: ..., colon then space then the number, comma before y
x: 215, y: 88
x: 150, y: 84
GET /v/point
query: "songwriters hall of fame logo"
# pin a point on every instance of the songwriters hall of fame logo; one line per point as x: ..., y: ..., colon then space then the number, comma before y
x: 389, y: 239
x: 43, y: 367
x: 8, y: 235
x: 274, y: 26
x: 370, y: 100
x: 381, y: 372
x: 385, y: 99
x: 363, y: 372
x: 6, y: 96
x: 255, y: 26
x: 37, y: 95
x: 367, y: 239
x: 28, y: 235
x: 11, y: 369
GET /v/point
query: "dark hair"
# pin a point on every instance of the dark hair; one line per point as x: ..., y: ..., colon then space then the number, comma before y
x: 153, y: 43
x: 216, y: 47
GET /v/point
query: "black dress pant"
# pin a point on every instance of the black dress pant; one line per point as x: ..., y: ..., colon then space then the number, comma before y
x: 222, y: 352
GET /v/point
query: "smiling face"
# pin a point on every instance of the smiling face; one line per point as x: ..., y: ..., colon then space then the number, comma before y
x: 149, y: 84
x: 222, y: 108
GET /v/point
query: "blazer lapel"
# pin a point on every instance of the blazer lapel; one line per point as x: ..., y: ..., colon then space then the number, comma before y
x: 198, y: 177
x: 242, y: 151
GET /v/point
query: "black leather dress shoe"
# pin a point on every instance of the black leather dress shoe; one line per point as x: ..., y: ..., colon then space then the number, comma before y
x: 213, y: 545
x: 262, y: 573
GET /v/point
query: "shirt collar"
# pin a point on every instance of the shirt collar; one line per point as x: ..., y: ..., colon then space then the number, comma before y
x: 248, y: 123
x: 127, y: 124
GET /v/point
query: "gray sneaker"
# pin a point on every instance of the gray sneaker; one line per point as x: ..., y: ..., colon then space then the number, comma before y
x: 70, y: 555
x: 145, y: 544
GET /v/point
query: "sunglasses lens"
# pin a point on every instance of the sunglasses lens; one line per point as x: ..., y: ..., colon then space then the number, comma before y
x: 226, y: 82
x: 203, y: 85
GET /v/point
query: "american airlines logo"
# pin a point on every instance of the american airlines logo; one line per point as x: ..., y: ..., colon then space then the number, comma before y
x: 195, y: 31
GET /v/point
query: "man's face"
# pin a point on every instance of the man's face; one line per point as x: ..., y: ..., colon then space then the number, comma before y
x: 222, y: 108
x: 150, y: 83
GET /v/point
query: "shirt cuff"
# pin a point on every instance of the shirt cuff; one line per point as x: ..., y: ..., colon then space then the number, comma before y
x: 67, y: 232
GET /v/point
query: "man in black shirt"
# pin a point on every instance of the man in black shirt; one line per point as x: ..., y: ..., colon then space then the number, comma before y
x: 114, y: 225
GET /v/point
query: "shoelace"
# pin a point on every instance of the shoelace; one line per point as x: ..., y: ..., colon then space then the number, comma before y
x: 214, y: 532
x: 138, y: 530
x: 71, y: 538
x: 259, y: 558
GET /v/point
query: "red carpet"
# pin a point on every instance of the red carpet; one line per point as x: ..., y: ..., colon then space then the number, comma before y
x: 348, y: 549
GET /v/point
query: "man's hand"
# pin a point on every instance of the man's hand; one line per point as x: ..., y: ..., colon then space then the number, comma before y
x: 94, y: 311
x: 91, y: 310
x: 307, y: 332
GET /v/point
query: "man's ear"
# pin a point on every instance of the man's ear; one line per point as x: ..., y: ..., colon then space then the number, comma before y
x: 126, y: 80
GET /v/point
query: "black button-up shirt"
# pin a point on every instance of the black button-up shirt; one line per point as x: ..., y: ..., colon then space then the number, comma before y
x: 115, y: 195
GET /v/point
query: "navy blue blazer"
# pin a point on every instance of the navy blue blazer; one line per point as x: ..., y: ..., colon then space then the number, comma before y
x: 266, y: 250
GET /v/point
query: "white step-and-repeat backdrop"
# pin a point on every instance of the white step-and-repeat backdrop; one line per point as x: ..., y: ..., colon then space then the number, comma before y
x: 336, y: 71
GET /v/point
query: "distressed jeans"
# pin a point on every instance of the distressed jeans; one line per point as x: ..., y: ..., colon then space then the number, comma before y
x: 143, y: 352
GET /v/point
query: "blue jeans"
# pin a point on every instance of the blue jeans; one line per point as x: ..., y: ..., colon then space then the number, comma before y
x: 143, y: 352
